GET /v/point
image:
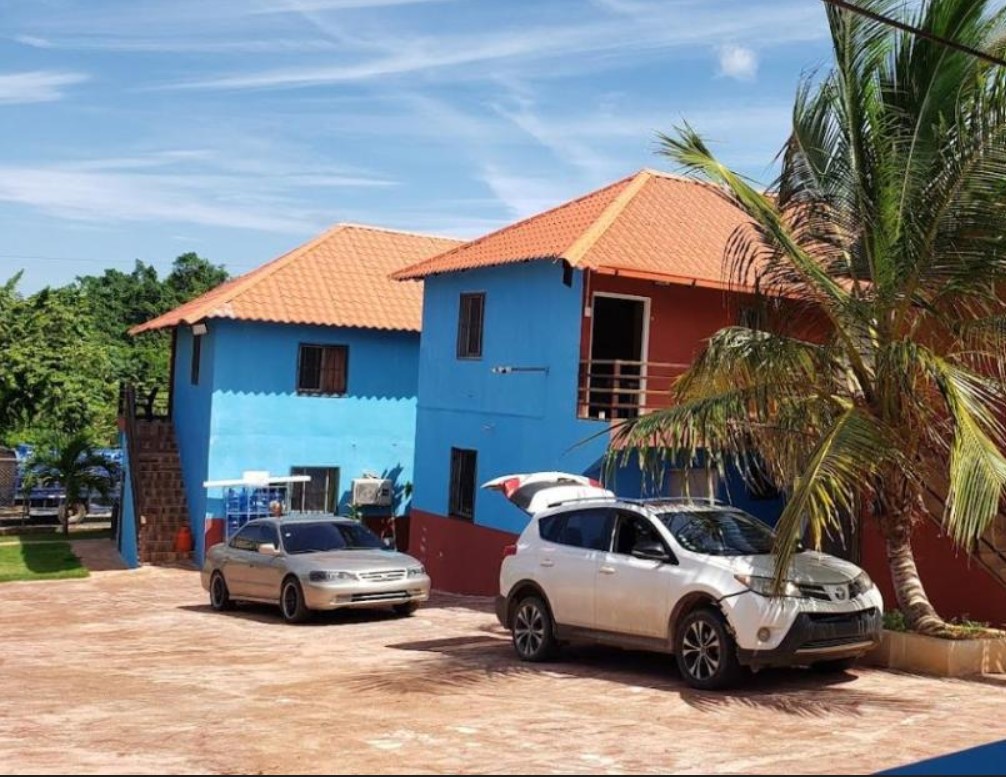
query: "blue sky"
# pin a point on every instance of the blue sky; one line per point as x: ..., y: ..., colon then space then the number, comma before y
x: 239, y: 128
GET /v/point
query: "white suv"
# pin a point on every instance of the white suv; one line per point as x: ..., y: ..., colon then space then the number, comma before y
x: 690, y: 578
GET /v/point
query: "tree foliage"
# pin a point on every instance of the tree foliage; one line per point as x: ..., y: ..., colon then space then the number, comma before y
x: 64, y: 351
x: 885, y: 229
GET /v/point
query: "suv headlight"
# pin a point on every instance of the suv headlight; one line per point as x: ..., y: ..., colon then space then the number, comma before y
x: 329, y: 576
x: 860, y: 585
x: 417, y: 571
x: 766, y: 585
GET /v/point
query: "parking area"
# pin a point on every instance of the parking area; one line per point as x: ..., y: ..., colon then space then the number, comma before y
x: 131, y: 672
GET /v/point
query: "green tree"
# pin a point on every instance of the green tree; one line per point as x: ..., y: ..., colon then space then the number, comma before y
x: 190, y: 276
x: 70, y: 461
x: 885, y: 229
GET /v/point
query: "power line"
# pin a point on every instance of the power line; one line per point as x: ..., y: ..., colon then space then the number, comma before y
x: 878, y: 17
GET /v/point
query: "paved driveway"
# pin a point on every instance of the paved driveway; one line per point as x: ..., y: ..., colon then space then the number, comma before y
x: 130, y: 671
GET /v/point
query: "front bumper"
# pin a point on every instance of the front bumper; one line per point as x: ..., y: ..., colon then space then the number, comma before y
x: 352, y: 594
x: 821, y: 636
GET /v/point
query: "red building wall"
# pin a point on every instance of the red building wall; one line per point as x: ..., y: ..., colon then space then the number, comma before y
x: 956, y: 586
x: 459, y: 557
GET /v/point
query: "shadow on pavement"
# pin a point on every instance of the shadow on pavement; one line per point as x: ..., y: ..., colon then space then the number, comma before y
x: 466, y: 662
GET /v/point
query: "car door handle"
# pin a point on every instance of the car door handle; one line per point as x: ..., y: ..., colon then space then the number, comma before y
x: 607, y: 570
x: 547, y: 562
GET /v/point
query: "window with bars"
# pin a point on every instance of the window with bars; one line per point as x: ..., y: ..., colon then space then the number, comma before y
x: 323, y: 369
x: 470, y: 317
x: 462, y: 496
x: 319, y: 494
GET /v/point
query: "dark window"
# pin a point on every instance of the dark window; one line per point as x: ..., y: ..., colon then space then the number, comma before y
x: 321, y: 537
x: 197, y: 355
x: 470, y: 318
x: 719, y: 532
x: 634, y: 530
x: 550, y: 528
x: 320, y: 494
x: 253, y: 535
x: 587, y: 529
x: 462, y: 496
x: 323, y: 369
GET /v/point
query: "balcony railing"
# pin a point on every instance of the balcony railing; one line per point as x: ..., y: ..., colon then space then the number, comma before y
x: 148, y: 404
x: 617, y: 388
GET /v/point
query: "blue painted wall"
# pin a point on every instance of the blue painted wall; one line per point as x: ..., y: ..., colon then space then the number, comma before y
x: 246, y: 414
x: 523, y: 421
x: 191, y: 412
x: 127, y: 516
x: 518, y: 422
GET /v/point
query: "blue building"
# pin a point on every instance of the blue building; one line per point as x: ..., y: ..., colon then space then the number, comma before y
x: 538, y: 337
x: 307, y: 365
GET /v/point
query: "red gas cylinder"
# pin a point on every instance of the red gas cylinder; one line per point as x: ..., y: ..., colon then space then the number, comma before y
x: 183, y: 539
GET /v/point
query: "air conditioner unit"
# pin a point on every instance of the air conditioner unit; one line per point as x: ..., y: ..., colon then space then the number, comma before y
x: 372, y: 492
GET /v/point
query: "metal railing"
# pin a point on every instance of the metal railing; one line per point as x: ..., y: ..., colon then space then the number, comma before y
x: 149, y: 404
x: 620, y: 388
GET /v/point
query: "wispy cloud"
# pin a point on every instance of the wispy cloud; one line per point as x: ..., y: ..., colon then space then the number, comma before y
x: 191, y: 186
x: 738, y: 62
x: 568, y: 47
x: 177, y: 45
x: 36, y: 86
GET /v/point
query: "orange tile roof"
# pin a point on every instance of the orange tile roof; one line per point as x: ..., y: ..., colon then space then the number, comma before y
x: 341, y: 278
x: 650, y: 224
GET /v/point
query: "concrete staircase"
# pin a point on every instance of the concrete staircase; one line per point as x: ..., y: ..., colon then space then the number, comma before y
x: 161, y: 497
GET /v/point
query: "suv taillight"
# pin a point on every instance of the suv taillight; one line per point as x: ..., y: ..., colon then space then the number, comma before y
x: 509, y: 550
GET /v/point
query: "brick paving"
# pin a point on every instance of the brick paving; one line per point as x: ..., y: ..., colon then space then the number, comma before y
x: 131, y: 672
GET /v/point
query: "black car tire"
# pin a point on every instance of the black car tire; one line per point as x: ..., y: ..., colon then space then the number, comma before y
x: 533, y: 630
x: 291, y: 602
x: 706, y: 651
x: 220, y: 595
x: 406, y: 609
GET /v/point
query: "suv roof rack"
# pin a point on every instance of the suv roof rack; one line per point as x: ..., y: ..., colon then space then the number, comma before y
x: 700, y: 500
x: 594, y: 498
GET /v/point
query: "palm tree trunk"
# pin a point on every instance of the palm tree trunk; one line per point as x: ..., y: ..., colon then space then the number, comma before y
x: 913, y: 601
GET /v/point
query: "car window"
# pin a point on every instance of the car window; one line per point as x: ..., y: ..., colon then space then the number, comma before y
x: 720, y: 532
x: 549, y: 528
x: 322, y: 536
x: 268, y: 535
x: 632, y: 530
x: 587, y: 529
x: 247, y: 538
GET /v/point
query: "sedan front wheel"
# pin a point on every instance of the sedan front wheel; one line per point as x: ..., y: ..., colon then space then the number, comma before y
x: 291, y: 602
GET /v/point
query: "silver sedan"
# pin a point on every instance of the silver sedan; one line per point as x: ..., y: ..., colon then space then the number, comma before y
x: 306, y: 564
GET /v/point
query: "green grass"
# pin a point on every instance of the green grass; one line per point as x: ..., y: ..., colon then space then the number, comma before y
x: 957, y: 628
x: 48, y: 560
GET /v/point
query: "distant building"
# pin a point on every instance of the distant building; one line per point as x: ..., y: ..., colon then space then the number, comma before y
x: 306, y: 365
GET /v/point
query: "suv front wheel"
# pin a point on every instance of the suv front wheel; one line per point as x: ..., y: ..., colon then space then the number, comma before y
x: 706, y: 651
x: 533, y: 635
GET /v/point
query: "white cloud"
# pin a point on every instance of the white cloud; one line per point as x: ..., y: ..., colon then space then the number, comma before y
x: 525, y: 195
x: 182, y: 186
x: 738, y: 62
x: 36, y: 86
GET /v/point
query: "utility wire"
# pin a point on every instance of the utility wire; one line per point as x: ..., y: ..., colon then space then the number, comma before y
x: 877, y: 17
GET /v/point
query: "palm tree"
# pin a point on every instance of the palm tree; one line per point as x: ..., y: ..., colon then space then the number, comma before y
x: 71, y: 462
x: 879, y: 382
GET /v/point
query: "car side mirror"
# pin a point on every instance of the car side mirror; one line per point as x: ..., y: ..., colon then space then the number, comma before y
x: 268, y: 549
x: 651, y: 551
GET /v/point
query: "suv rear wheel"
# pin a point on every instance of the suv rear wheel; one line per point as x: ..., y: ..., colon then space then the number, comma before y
x: 705, y: 650
x: 532, y: 628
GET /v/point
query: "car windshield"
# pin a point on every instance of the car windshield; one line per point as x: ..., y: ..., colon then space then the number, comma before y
x: 324, y: 536
x: 719, y: 532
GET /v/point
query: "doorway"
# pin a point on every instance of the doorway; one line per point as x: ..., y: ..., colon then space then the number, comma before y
x: 618, y: 347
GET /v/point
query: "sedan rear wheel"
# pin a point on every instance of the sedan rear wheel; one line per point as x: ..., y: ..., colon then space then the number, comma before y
x: 291, y: 602
x: 220, y: 596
